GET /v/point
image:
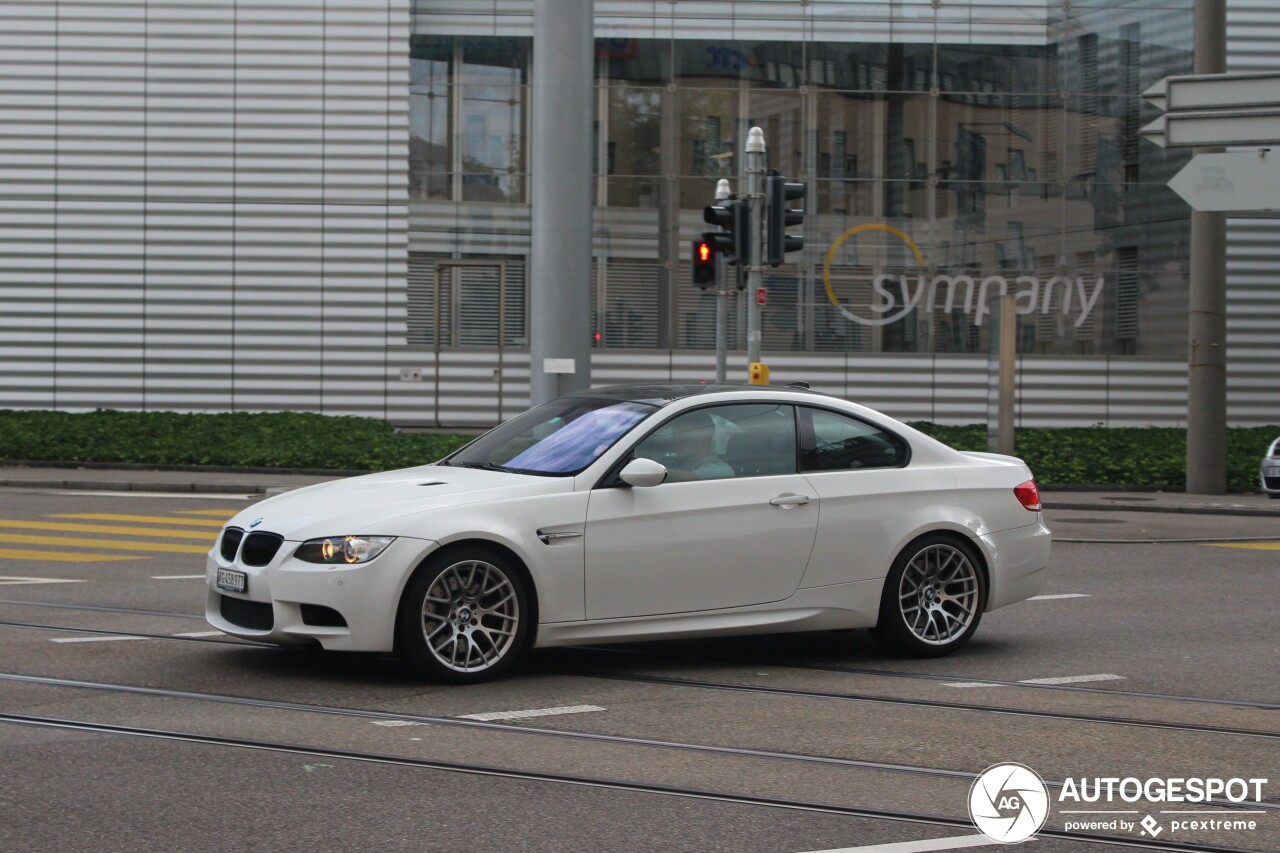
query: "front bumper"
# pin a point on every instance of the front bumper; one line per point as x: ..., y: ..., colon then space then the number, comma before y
x: 285, y: 599
x: 1270, y: 485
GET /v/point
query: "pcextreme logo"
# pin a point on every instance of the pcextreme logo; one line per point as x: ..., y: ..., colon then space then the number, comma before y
x: 1009, y: 803
x: 896, y: 296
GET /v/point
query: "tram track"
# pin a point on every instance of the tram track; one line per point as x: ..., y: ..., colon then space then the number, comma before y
x: 756, y: 662
x: 926, y: 676
x: 477, y: 769
x: 673, y: 681
x: 524, y: 729
x: 929, y: 703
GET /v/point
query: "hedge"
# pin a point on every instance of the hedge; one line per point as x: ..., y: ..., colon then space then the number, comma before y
x: 242, y: 440
x: 1116, y: 456
x: 1120, y: 456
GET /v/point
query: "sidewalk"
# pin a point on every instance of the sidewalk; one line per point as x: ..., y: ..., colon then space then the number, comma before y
x: 1245, y: 504
x: 249, y: 481
x: 141, y: 479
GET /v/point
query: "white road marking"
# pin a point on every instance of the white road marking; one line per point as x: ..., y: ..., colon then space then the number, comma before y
x: 201, y: 634
x: 1209, y: 811
x: 176, y: 577
x: 14, y: 581
x: 536, y: 712
x: 181, y: 495
x: 1059, y: 595
x: 395, y: 723
x: 94, y: 639
x: 1063, y: 679
x: 922, y: 846
x: 1074, y: 679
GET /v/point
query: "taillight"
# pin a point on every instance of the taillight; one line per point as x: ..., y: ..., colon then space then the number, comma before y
x: 1028, y: 495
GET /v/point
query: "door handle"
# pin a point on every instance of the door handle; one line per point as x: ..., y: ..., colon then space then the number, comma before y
x: 790, y: 500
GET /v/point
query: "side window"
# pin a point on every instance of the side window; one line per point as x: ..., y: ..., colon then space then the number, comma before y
x: 716, y: 443
x: 833, y: 442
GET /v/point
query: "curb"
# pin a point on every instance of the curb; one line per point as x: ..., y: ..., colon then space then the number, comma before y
x: 1144, y: 507
x: 126, y: 486
x: 196, y: 469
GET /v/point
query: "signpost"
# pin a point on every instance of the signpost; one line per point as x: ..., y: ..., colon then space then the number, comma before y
x: 1208, y: 128
x: 1191, y: 92
x: 1206, y: 110
x: 1235, y: 182
x: 1209, y: 111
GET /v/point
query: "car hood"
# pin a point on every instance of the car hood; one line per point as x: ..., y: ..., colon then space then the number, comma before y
x: 364, y: 505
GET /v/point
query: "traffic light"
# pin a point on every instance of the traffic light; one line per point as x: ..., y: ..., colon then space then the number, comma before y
x: 777, y: 193
x: 733, y: 217
x: 704, y: 263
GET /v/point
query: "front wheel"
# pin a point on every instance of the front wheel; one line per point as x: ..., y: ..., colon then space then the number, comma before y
x: 933, y: 598
x: 465, y: 617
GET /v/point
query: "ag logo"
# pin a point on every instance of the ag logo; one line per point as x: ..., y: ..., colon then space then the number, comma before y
x: 1009, y: 803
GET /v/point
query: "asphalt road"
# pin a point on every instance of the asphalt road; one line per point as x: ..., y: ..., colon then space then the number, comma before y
x: 126, y: 723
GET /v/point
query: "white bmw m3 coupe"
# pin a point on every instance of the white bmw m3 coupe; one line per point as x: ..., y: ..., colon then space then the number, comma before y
x: 637, y: 513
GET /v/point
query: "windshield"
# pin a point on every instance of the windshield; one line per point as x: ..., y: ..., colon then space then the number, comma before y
x: 560, y: 437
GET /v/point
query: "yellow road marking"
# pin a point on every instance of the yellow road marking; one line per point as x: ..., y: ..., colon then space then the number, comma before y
x: 157, y: 532
x: 61, y: 556
x: 1248, y: 546
x: 220, y: 513
x: 109, y: 544
x: 147, y: 519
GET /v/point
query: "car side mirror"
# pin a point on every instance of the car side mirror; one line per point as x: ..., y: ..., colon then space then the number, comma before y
x: 643, y: 472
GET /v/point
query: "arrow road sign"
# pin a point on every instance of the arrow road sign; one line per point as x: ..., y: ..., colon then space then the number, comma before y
x: 1242, y: 181
x: 1215, y: 110
x: 1214, y: 92
x: 1210, y: 129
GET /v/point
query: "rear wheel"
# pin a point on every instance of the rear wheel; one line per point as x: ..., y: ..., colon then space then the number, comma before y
x: 464, y: 617
x: 933, y: 598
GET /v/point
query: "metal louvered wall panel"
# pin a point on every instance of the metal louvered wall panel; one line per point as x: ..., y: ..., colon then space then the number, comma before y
x: 1051, y: 391
x: 1253, y: 246
x: 203, y: 205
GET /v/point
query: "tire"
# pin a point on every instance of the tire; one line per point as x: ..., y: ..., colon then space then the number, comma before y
x: 933, y: 597
x: 464, y: 617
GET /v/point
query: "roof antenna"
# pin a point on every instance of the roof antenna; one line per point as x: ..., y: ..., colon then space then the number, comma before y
x: 804, y: 386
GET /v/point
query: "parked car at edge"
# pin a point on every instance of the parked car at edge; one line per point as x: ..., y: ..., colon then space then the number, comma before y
x: 637, y: 513
x: 1269, y: 471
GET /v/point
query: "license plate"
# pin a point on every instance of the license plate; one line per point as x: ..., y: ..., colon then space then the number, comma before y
x: 232, y: 581
x: 1273, y: 471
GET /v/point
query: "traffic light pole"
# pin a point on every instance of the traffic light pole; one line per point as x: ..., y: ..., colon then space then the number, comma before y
x: 722, y: 293
x: 722, y: 342
x: 755, y: 267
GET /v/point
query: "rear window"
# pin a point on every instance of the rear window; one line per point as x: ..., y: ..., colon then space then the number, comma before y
x: 834, y: 442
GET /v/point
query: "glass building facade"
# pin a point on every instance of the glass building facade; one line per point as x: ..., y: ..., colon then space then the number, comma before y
x: 952, y: 151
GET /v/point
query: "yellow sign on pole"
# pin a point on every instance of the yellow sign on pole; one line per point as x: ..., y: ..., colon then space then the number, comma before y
x: 759, y: 373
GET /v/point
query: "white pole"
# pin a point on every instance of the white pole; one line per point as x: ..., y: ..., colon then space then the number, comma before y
x: 755, y: 208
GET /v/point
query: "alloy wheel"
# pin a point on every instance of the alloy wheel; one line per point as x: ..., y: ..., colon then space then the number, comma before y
x: 938, y: 595
x: 470, y: 616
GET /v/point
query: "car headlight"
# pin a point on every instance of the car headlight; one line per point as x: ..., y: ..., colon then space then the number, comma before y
x: 347, y: 550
